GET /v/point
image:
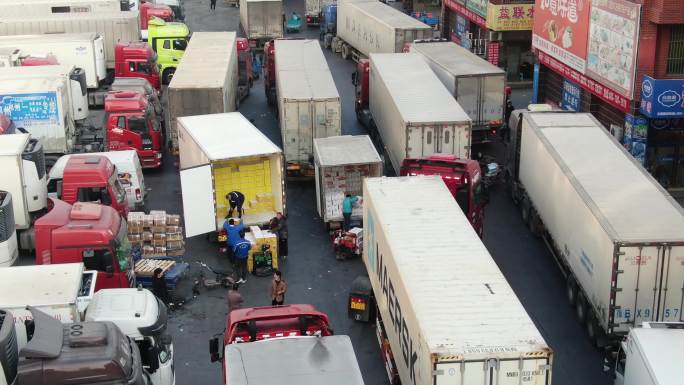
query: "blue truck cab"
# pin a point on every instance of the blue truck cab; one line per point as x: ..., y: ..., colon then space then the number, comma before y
x: 328, y: 24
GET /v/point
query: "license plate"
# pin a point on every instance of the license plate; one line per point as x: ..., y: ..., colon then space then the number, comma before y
x: 358, y: 305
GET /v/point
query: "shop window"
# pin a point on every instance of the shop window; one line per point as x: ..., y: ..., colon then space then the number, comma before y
x: 675, y: 55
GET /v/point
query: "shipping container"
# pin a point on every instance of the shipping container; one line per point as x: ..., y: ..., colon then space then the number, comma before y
x: 414, y: 114
x: 617, y: 234
x: 374, y: 27
x: 205, y: 81
x: 83, y: 50
x: 308, y: 101
x: 445, y: 309
x: 20, y: 8
x: 341, y: 165
x: 114, y: 27
x: 477, y: 85
x: 261, y: 20
x: 220, y: 153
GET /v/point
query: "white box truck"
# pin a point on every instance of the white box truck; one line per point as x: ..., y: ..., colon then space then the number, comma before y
x: 261, y: 21
x: 66, y: 291
x: 649, y: 355
x: 616, y: 234
x: 211, y: 166
x: 20, y: 8
x: 477, y: 85
x: 314, y: 9
x: 367, y: 26
x: 445, y: 313
x: 308, y: 101
x: 341, y: 165
x: 414, y: 114
x: 114, y: 27
x: 205, y: 81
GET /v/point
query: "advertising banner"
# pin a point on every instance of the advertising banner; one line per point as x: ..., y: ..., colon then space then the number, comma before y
x: 635, y: 135
x: 458, y: 7
x: 510, y: 17
x: 613, y: 41
x: 493, y: 52
x: 479, y: 7
x: 561, y: 30
x: 662, y: 98
x: 596, y: 88
x: 31, y: 110
x: 572, y: 95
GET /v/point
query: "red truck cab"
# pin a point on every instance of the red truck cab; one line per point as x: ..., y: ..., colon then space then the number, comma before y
x: 245, y: 73
x: 361, y: 79
x: 130, y: 124
x: 269, y: 72
x: 46, y: 60
x: 92, y: 178
x: 136, y: 60
x: 463, y: 178
x: 90, y: 233
x: 150, y: 10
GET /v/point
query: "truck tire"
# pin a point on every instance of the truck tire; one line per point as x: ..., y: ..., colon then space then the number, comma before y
x: 571, y: 291
x: 525, y: 210
x: 345, y: 51
x: 593, y: 330
x: 581, y: 308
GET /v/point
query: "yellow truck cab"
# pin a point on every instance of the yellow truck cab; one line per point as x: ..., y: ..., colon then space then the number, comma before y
x: 169, y: 40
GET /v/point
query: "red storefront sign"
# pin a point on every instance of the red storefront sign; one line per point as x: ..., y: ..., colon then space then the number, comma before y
x: 611, y: 97
x: 493, y: 52
x: 474, y: 17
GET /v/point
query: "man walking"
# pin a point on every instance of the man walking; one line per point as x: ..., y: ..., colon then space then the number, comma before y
x: 278, y: 289
x: 347, y: 207
x: 235, y: 199
x: 212, y: 5
x: 241, y: 251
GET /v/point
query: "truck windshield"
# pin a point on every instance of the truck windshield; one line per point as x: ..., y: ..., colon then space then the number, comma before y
x: 149, y: 115
x: 115, y: 184
x: 180, y: 44
x: 123, y: 247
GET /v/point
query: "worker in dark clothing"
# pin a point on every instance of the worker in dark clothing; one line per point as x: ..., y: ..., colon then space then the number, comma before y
x: 159, y: 286
x: 278, y: 225
x: 235, y: 199
x: 241, y: 251
x: 212, y: 5
x: 506, y: 130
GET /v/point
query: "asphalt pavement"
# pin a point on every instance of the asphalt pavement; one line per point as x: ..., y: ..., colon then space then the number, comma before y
x: 315, y: 277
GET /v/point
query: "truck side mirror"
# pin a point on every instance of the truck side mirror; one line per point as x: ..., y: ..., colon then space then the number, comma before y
x: 214, y: 349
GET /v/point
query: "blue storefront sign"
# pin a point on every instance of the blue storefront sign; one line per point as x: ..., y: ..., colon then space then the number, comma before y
x: 635, y: 136
x: 462, y: 29
x: 662, y: 98
x: 31, y: 109
x: 572, y: 94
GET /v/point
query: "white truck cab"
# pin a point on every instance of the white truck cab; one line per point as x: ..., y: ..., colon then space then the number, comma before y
x: 141, y: 316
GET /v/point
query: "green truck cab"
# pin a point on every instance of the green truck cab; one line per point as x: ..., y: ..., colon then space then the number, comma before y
x: 169, y: 40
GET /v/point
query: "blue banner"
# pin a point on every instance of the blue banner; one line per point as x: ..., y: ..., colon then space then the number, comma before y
x: 535, y: 84
x: 572, y: 95
x: 635, y: 136
x: 662, y: 98
x: 31, y: 109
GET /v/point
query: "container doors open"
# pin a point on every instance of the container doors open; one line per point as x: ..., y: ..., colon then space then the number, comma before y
x: 199, y: 209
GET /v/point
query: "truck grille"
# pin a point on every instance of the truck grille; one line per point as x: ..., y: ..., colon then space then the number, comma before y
x: 6, y: 216
x: 34, y: 153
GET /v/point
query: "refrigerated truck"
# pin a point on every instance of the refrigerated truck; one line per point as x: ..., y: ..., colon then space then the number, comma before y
x: 20, y: 8
x: 113, y: 26
x: 220, y: 153
x: 368, y: 26
x: 616, y: 234
x: 477, y: 85
x: 261, y: 21
x: 413, y: 113
x: 308, y: 102
x: 205, y: 82
x: 445, y: 313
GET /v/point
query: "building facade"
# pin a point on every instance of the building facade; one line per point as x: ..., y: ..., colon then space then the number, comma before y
x: 623, y: 61
x: 500, y: 31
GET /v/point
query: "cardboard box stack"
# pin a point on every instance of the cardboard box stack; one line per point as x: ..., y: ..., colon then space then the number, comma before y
x: 158, y: 234
x: 340, y: 180
x: 258, y: 238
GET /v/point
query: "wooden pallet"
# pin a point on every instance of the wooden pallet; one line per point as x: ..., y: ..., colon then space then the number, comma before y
x: 146, y: 267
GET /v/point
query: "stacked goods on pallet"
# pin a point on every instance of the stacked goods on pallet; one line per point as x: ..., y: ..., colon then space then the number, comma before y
x: 340, y: 180
x: 146, y: 267
x: 252, y: 177
x: 158, y: 234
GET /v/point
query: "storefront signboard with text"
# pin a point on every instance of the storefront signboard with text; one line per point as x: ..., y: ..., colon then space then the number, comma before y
x: 561, y: 30
x: 662, y: 98
x: 458, y: 7
x: 510, y: 17
x: 572, y: 95
x: 479, y: 7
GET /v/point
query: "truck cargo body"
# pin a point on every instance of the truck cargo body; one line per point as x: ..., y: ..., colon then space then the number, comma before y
x: 261, y: 20
x: 342, y: 163
x: 12, y: 8
x: 205, y: 81
x: 374, y: 27
x: 212, y: 166
x: 476, y: 84
x: 616, y: 233
x: 114, y: 27
x: 414, y: 114
x: 308, y: 101
x: 82, y: 50
x: 447, y: 312
x: 646, y: 355
x: 314, y: 8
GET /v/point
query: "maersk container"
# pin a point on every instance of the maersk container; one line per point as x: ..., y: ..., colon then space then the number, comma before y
x: 308, y: 101
x: 445, y: 308
x: 414, y: 113
x: 114, y: 27
x: 477, y: 85
x: 83, y: 50
x: 372, y: 26
x: 205, y: 81
x: 616, y: 232
x: 220, y: 153
x: 261, y: 20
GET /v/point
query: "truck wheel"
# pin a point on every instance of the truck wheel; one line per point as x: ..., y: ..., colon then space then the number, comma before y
x: 571, y: 291
x: 593, y: 330
x: 581, y: 308
x: 525, y: 210
x: 345, y: 51
x: 534, y: 222
x: 168, y: 75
